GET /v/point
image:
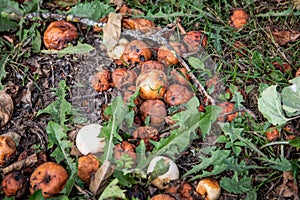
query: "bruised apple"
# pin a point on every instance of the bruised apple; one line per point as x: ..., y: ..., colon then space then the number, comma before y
x: 101, y: 81
x: 152, y: 64
x: 152, y: 84
x: 59, y: 34
x: 87, y: 167
x: 50, y: 178
x: 177, y: 94
x: 155, y: 110
x: 122, y: 77
x: 136, y: 52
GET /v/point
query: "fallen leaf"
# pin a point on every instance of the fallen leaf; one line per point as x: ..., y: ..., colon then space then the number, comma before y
x: 26, y: 98
x: 284, y: 37
x: 112, y: 31
x: 238, y: 18
x: 6, y: 107
x: 118, y: 3
x: 101, y: 178
x: 283, y: 67
x: 130, y: 11
x: 289, y: 187
x: 297, y: 4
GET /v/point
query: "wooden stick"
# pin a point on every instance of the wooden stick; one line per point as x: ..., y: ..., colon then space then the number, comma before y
x: 17, y: 166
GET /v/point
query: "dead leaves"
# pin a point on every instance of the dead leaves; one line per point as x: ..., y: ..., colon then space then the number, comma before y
x: 284, y: 37
x: 112, y: 31
x: 6, y: 107
x: 289, y: 187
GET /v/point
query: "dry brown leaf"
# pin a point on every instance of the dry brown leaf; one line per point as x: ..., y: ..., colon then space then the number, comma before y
x: 6, y: 107
x: 118, y: 3
x: 101, y: 178
x: 284, y: 37
x: 112, y: 31
x: 297, y: 4
x: 131, y: 11
x: 26, y: 98
x: 289, y: 187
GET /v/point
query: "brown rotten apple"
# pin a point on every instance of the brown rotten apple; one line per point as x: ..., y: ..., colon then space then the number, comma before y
x: 101, y: 81
x: 152, y: 64
x: 168, y: 57
x: 146, y: 133
x: 152, y: 84
x: 193, y: 39
x: 50, y: 178
x: 136, y: 52
x: 122, y: 77
x: 162, y: 197
x: 155, y: 110
x: 7, y: 149
x: 87, y: 167
x: 177, y: 94
x: 59, y: 34
x: 14, y: 184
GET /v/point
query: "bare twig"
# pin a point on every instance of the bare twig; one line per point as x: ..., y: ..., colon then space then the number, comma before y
x: 70, y: 18
x: 20, y: 164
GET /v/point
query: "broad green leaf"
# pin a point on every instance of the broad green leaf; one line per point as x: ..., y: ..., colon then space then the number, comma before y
x: 291, y: 98
x: 199, y: 64
x: 208, y: 119
x: 6, y: 24
x: 141, y: 151
x: 236, y: 185
x: 125, y: 180
x: 217, y: 169
x: 269, y: 104
x: 36, y: 41
x: 281, y: 164
x: 60, y: 108
x: 113, y: 191
x: 93, y: 10
x: 38, y: 195
x: 9, y: 6
x: 118, y: 110
x: 251, y: 195
x: 295, y: 142
x: 78, y: 49
x: 196, y: 63
x: 217, y: 158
